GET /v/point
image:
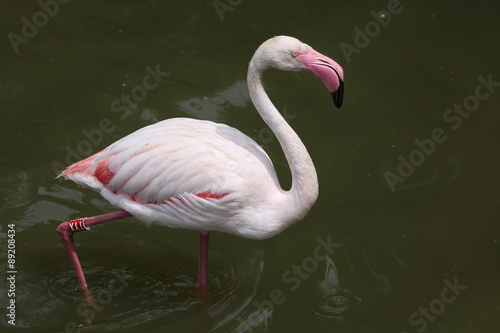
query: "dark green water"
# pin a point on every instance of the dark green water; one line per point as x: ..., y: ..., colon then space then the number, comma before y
x: 404, y: 236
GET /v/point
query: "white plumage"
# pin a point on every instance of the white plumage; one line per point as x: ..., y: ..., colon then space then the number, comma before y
x: 158, y: 170
x: 196, y: 174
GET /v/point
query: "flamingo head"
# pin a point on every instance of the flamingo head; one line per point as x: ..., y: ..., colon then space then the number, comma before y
x: 290, y: 54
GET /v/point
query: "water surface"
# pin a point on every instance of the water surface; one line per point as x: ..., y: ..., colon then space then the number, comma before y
x: 404, y: 235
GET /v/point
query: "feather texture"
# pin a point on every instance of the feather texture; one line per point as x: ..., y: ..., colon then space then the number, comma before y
x: 183, y: 173
x: 197, y: 174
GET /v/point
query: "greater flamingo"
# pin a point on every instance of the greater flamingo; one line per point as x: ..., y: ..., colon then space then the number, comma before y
x: 196, y: 174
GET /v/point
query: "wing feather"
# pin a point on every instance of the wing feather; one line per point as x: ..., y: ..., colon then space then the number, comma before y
x: 176, y: 157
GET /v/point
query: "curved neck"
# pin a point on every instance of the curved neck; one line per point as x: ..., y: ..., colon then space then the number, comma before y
x: 304, y: 190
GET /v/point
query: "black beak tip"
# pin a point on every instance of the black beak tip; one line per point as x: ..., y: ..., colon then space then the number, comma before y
x: 338, y: 95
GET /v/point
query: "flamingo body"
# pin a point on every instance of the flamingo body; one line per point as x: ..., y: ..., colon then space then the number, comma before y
x: 188, y: 173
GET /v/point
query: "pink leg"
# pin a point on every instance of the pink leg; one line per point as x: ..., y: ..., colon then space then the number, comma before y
x: 66, y: 230
x: 202, y: 268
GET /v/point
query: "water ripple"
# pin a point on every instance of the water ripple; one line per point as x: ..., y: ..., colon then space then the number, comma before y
x: 334, y: 301
x: 127, y: 296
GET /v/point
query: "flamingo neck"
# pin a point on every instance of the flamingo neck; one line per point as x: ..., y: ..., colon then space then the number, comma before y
x: 304, y: 191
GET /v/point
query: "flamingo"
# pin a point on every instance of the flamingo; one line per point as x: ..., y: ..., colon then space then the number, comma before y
x: 206, y: 176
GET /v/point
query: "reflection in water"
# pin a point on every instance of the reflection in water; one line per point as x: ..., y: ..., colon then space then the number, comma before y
x: 334, y: 301
x: 211, y: 108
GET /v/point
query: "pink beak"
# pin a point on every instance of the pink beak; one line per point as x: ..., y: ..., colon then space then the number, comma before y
x: 327, y: 70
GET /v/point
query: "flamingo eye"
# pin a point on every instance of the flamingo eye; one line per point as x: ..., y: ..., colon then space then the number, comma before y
x: 295, y: 53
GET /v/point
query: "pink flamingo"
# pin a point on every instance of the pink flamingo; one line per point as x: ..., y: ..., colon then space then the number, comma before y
x: 196, y: 174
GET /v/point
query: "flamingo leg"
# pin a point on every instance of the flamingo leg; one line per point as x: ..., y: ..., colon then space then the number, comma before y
x: 66, y: 230
x: 201, y: 291
x: 202, y: 268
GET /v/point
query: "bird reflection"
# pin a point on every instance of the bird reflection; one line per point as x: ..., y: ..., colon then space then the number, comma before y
x: 211, y: 108
x: 334, y: 301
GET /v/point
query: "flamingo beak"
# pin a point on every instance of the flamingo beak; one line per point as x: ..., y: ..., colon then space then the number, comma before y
x: 338, y: 95
x: 327, y: 70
